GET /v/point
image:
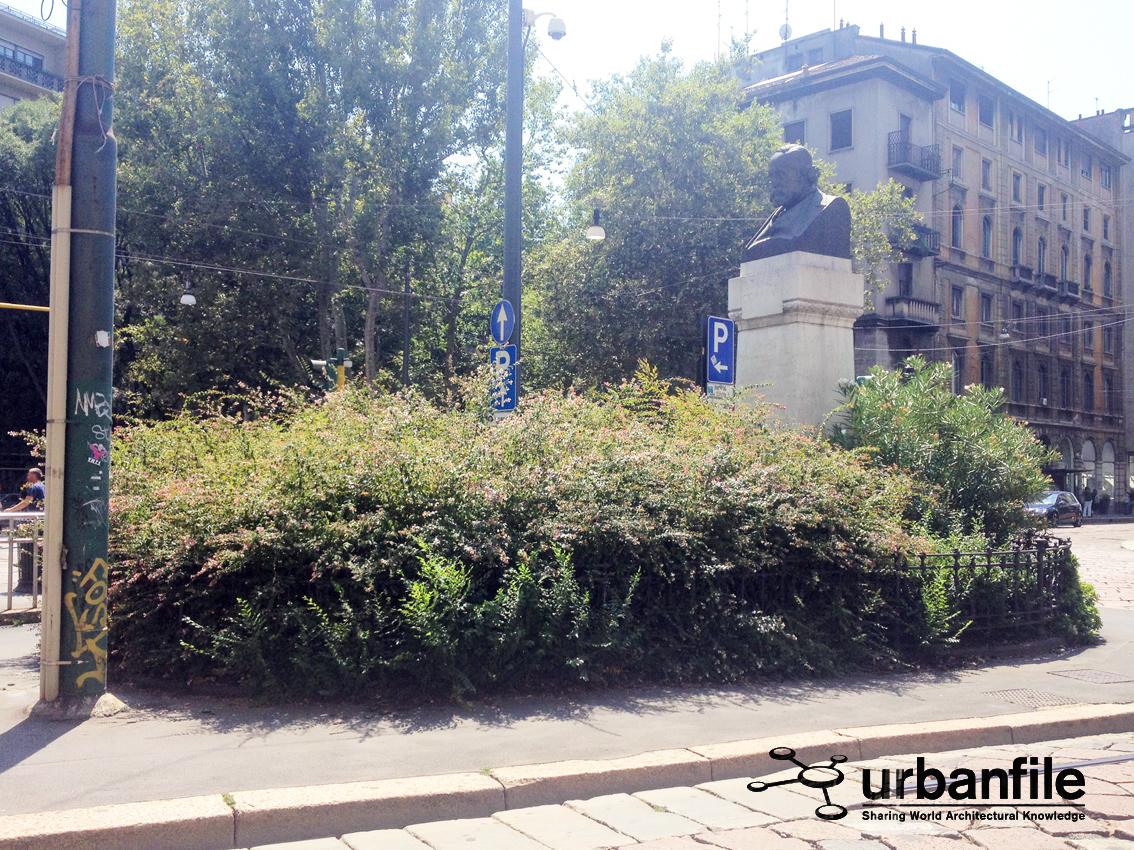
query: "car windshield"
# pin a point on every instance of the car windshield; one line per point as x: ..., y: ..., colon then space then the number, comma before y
x: 1046, y: 499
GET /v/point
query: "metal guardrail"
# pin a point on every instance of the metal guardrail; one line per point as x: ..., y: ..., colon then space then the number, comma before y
x: 31, y: 19
x: 22, y: 541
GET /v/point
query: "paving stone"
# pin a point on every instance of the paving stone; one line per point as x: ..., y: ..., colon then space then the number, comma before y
x: 1100, y: 844
x: 876, y: 828
x: 1017, y: 838
x: 815, y: 830
x: 310, y: 844
x: 927, y: 842
x: 845, y: 844
x: 1122, y: 771
x: 635, y: 818
x: 472, y: 834
x: 1109, y: 807
x: 383, y: 839
x: 685, y: 843
x: 776, y: 802
x: 757, y: 838
x: 705, y: 808
x: 561, y: 828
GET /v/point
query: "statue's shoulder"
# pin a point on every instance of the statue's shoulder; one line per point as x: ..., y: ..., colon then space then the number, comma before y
x: 837, y: 202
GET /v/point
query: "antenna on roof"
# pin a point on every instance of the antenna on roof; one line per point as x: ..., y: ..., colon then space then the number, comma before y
x: 785, y: 30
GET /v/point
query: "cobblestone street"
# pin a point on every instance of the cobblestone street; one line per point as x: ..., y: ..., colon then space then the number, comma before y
x: 725, y: 814
x: 1106, y: 555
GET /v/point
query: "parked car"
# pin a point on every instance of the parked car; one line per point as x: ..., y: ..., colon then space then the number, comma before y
x: 1057, y: 506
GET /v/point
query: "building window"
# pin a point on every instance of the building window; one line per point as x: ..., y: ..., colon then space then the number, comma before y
x: 1065, y: 335
x: 1108, y: 280
x: 793, y: 133
x: 1063, y: 152
x: 815, y: 57
x: 958, y: 225
x: 985, y: 174
x: 1086, y: 166
x: 958, y: 303
x: 986, y: 371
x: 905, y: 280
x: 1018, y: 317
x: 1106, y: 227
x: 1088, y: 336
x: 1088, y: 268
x: 1108, y: 341
x: 1108, y: 393
x: 957, y: 95
x: 958, y: 372
x: 794, y: 62
x: 1040, y: 137
x: 1089, y: 389
x: 958, y: 163
x: 1041, y: 257
x: 1043, y: 324
x: 841, y: 130
x: 1041, y: 197
x: 1017, y: 187
x: 1017, y: 382
x: 1042, y: 389
x: 1015, y: 126
x: 1087, y: 219
x: 1064, y: 201
x: 986, y: 309
x: 1064, y: 262
x: 985, y: 108
x: 1104, y: 175
x: 986, y: 236
x: 1017, y: 247
x: 1064, y: 387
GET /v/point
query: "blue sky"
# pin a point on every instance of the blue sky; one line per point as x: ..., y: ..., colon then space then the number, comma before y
x: 1083, y: 48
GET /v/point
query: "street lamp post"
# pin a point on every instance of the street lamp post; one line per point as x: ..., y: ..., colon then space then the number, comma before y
x: 519, y: 18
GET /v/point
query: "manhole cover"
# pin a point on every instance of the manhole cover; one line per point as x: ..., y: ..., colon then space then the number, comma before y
x: 1026, y: 696
x: 1096, y: 677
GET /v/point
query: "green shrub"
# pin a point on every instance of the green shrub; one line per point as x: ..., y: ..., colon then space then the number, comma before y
x: 982, y: 465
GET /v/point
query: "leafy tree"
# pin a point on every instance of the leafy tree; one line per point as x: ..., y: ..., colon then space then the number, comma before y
x: 981, y: 464
x: 27, y: 170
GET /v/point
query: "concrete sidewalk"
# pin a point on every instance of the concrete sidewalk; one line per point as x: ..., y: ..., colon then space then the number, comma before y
x: 679, y: 800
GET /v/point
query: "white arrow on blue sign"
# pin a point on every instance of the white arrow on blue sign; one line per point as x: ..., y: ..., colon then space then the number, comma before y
x: 720, y: 351
x: 502, y: 321
x: 504, y: 358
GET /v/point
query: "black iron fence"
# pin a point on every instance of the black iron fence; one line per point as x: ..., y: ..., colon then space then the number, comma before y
x: 905, y: 602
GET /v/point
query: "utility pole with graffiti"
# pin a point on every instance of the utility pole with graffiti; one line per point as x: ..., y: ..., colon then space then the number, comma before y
x: 74, y: 643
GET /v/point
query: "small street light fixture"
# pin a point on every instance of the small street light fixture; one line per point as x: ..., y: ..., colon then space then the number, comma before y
x: 595, y: 232
x: 188, y: 299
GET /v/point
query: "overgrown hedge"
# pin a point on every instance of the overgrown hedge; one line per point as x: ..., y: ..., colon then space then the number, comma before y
x: 361, y: 543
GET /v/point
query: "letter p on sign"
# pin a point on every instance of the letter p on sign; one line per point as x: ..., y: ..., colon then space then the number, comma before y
x: 720, y: 350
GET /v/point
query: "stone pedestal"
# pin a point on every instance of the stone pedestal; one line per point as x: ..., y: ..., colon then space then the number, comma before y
x: 794, y: 317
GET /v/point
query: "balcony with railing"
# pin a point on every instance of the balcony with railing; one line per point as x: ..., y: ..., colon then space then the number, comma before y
x: 1068, y: 290
x: 35, y: 76
x: 921, y: 162
x: 927, y: 242
x: 914, y: 311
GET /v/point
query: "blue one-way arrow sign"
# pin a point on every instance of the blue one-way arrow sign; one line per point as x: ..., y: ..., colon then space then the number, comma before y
x: 502, y: 322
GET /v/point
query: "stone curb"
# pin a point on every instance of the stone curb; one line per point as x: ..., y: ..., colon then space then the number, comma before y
x: 19, y: 616
x: 249, y: 818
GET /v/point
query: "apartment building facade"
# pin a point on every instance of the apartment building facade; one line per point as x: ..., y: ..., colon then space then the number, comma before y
x: 31, y: 57
x: 1016, y: 274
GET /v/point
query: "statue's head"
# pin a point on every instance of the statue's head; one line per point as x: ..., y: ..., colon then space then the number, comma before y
x: 793, y: 175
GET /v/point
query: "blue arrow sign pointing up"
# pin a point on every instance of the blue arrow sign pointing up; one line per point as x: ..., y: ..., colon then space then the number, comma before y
x: 502, y: 322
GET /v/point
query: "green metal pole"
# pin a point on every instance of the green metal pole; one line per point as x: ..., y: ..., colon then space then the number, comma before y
x: 86, y: 490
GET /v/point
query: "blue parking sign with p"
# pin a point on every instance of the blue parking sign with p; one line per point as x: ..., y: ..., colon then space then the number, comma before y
x: 720, y: 351
x: 504, y: 359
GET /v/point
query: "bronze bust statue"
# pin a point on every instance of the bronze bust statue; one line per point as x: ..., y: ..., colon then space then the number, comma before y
x: 805, y: 219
